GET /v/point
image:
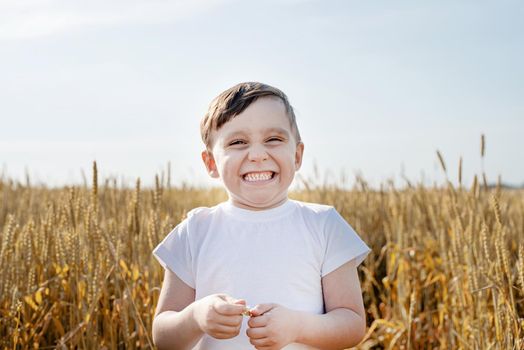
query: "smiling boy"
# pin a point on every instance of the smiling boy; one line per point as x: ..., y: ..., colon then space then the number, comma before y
x: 295, y: 261
x: 256, y: 155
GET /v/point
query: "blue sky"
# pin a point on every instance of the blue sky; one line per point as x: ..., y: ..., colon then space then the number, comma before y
x: 378, y: 86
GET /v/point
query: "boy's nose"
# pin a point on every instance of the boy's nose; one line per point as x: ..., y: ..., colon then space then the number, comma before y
x: 257, y: 153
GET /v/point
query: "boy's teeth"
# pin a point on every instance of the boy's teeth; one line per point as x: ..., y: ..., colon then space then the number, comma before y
x: 258, y: 176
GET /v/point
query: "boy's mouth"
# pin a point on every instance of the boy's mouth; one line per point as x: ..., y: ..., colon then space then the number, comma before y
x: 259, y: 176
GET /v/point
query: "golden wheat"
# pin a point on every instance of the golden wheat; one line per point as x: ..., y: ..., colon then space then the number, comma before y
x: 446, y: 270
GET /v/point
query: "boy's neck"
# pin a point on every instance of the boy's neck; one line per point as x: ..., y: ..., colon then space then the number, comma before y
x: 245, y: 206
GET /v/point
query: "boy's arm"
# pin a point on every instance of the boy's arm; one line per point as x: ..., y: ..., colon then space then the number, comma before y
x: 180, y: 321
x: 342, y: 326
x: 174, y: 326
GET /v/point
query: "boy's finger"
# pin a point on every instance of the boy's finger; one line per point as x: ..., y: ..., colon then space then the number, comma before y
x: 261, y: 309
x: 232, y: 300
x: 229, y: 309
x: 256, y: 333
x: 259, y: 321
x: 231, y: 321
x: 247, y: 309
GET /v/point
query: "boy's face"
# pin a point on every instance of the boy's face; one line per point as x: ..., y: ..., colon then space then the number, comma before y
x: 255, y: 154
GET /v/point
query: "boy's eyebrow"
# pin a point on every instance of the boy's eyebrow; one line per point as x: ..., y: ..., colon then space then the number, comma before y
x: 267, y: 131
x: 278, y: 131
x: 234, y: 134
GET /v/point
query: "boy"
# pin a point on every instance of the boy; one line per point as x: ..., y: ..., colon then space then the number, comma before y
x: 295, y: 261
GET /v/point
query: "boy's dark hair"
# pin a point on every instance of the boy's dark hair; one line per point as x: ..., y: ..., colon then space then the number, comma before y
x: 234, y: 101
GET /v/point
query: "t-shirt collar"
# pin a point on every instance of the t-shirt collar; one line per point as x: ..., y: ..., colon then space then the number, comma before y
x: 258, y: 215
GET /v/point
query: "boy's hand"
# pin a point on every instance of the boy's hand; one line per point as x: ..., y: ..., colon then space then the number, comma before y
x: 220, y: 315
x: 273, y: 326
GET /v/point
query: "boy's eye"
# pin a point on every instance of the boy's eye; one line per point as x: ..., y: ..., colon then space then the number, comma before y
x: 236, y: 142
x: 273, y: 139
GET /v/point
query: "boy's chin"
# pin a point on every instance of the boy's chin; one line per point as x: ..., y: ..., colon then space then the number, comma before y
x: 258, y: 202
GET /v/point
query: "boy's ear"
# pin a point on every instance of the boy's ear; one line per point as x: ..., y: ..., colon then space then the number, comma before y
x: 210, y: 164
x: 298, y: 155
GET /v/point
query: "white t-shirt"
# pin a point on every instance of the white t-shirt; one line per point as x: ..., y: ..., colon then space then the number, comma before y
x: 277, y: 255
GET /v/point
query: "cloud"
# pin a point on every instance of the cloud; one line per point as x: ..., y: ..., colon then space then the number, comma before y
x: 33, y: 19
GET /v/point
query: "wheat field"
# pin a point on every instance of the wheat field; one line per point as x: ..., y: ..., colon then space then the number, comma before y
x: 446, y: 269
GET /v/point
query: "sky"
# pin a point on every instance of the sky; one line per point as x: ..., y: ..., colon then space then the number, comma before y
x: 377, y: 86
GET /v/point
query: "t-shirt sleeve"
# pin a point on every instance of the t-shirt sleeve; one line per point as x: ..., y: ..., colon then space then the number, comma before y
x: 342, y: 244
x: 174, y: 253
